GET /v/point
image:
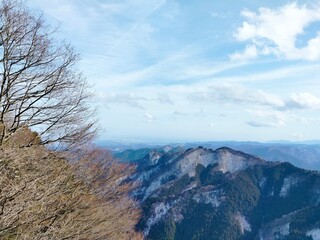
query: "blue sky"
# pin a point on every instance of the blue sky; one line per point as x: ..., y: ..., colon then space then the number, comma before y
x: 174, y: 70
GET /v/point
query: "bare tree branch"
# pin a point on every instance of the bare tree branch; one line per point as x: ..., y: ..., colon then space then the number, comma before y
x: 39, y: 85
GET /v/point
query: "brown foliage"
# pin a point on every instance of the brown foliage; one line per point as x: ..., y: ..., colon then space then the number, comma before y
x: 23, y: 137
x: 43, y: 197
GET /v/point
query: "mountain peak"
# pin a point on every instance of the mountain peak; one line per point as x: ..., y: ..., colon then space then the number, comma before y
x: 160, y: 169
x: 231, y: 160
x: 201, y: 187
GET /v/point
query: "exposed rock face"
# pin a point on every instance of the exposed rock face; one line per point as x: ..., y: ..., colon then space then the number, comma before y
x: 243, y: 223
x: 225, y: 194
x: 157, y: 169
x: 213, y: 197
x: 288, y: 182
x: 314, y: 233
x: 233, y: 161
x: 153, y: 158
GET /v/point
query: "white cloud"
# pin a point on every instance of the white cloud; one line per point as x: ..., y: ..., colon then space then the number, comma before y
x: 111, y: 37
x: 296, y: 136
x: 260, y: 124
x: 74, y: 16
x: 129, y: 99
x: 277, y: 118
x: 219, y: 14
x: 164, y: 98
x: 132, y: 48
x: 227, y: 93
x: 287, y: 73
x: 134, y: 100
x: 249, y: 53
x: 269, y: 118
x: 148, y: 117
x: 179, y: 114
x: 303, y: 100
x: 275, y: 31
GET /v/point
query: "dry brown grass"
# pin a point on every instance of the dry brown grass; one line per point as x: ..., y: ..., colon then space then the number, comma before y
x: 43, y: 197
x: 22, y: 138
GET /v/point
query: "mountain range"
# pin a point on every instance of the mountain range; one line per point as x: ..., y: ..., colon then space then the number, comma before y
x: 302, y: 155
x: 200, y: 193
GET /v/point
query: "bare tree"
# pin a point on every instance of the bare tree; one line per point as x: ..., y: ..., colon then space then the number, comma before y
x: 40, y: 87
x: 43, y: 197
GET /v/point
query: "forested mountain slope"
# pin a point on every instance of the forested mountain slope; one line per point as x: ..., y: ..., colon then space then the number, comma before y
x: 226, y: 194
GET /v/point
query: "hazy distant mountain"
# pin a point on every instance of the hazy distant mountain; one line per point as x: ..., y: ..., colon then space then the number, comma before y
x: 131, y: 155
x: 305, y: 156
x: 224, y: 194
